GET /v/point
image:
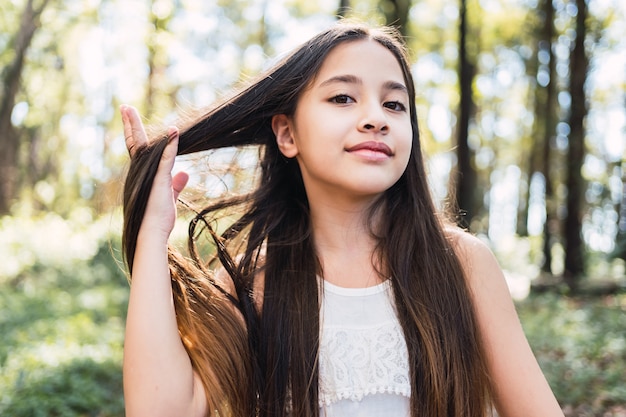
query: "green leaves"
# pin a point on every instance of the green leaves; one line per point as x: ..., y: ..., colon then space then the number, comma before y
x: 62, y: 310
x: 581, y: 347
x: 82, y: 387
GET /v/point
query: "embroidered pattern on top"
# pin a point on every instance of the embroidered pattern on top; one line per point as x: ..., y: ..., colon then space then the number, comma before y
x: 365, y: 361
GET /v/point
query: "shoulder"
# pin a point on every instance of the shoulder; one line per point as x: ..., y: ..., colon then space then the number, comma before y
x: 476, y: 257
x: 463, y: 241
x: 485, y: 279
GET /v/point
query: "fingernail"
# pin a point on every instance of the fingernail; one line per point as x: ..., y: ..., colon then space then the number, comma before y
x: 172, y: 133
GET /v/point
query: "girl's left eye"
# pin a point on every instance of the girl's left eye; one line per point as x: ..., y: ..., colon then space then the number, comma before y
x: 395, y: 105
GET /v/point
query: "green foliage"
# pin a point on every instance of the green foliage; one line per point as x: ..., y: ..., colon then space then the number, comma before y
x: 581, y: 347
x: 63, y: 298
x: 82, y: 387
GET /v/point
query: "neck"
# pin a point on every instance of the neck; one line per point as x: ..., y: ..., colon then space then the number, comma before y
x: 344, y: 243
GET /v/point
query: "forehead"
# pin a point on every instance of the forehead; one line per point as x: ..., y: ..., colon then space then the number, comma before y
x: 361, y: 57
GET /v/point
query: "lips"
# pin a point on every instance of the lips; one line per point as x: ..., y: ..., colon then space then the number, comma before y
x: 371, y: 146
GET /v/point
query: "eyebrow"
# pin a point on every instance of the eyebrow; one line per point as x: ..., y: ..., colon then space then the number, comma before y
x: 353, y: 79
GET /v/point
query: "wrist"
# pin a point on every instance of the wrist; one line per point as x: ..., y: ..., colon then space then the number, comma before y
x: 152, y: 236
x: 150, y: 252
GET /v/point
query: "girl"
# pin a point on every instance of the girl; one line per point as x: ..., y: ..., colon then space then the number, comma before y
x: 337, y: 290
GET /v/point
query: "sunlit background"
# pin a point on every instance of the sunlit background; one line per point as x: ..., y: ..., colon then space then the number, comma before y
x: 62, y: 283
x: 200, y: 49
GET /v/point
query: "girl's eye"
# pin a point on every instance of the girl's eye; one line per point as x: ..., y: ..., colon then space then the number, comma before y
x: 342, y: 99
x: 395, y: 105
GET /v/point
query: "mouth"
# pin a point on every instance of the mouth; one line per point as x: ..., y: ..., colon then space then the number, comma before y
x: 371, y: 146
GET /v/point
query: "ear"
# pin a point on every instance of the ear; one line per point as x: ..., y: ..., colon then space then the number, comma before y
x: 283, y: 129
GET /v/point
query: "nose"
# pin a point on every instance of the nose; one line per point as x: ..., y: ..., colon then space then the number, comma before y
x: 373, y: 119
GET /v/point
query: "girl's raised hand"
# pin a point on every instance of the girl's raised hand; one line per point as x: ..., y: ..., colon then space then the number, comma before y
x: 160, y: 212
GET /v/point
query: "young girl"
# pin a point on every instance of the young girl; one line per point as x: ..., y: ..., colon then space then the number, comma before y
x: 337, y: 290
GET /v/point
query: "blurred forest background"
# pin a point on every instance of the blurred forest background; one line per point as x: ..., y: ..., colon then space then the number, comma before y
x: 522, y: 105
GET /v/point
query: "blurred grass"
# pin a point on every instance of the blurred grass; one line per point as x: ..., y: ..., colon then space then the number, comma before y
x: 62, y: 308
x: 63, y: 300
x: 580, y: 344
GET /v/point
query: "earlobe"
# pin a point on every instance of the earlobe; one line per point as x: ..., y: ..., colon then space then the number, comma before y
x: 282, y: 127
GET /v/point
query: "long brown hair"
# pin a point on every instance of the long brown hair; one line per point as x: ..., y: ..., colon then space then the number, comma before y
x: 266, y: 365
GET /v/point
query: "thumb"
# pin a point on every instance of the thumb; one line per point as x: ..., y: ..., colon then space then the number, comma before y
x: 178, y: 183
x: 169, y: 153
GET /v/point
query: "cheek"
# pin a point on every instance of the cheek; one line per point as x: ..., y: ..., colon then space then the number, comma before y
x: 407, y: 139
x: 406, y: 145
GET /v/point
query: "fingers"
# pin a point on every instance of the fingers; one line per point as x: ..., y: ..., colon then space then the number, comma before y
x: 169, y: 153
x: 136, y: 138
x: 167, y: 161
x: 134, y: 133
x: 166, y: 164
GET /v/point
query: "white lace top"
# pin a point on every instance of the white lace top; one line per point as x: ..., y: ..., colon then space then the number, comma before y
x: 363, y: 355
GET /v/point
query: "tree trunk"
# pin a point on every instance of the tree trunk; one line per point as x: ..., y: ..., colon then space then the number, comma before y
x: 343, y: 9
x: 11, y: 77
x: 397, y: 14
x: 549, y: 114
x: 574, y: 248
x: 620, y: 237
x: 155, y: 69
x: 465, y: 181
x: 534, y: 67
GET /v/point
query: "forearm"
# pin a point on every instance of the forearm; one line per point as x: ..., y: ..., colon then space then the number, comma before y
x: 158, y: 377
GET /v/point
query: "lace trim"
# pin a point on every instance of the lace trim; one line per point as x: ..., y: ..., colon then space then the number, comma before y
x: 359, y: 362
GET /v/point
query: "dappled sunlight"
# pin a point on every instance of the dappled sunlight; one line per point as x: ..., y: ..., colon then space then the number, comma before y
x: 63, y: 284
x: 50, y: 240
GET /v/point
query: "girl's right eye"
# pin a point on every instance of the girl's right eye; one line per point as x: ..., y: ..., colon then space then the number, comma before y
x: 342, y: 99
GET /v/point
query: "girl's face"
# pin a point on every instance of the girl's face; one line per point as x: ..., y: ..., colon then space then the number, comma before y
x: 351, y: 132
